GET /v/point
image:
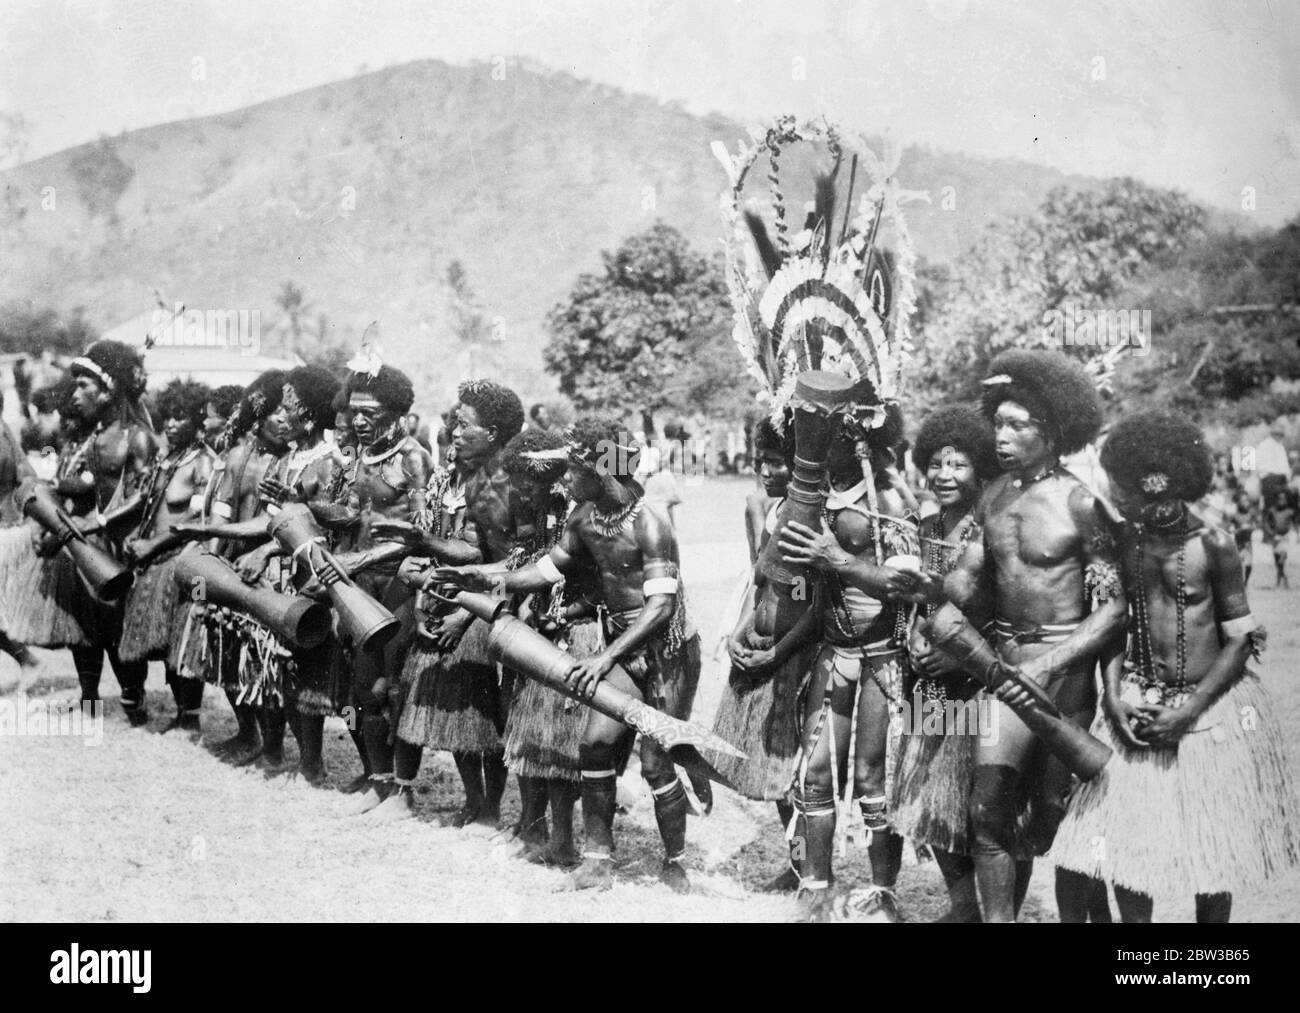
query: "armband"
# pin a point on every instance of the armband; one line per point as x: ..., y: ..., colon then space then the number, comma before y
x: 547, y: 568
x: 659, y: 585
x: 220, y: 509
x: 1240, y: 627
x: 272, y: 509
x: 1249, y: 627
x: 196, y: 502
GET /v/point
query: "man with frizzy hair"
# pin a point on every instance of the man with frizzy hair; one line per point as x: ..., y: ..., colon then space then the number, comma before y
x: 1046, y: 567
x: 651, y: 653
x: 386, y: 480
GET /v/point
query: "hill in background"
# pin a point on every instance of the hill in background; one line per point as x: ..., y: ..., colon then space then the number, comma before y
x: 363, y: 192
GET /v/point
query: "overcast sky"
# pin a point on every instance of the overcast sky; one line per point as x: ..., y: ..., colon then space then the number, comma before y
x: 1203, y: 95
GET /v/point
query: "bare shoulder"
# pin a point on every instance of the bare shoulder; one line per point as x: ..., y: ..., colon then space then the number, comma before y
x: 653, y: 528
x: 1218, y: 543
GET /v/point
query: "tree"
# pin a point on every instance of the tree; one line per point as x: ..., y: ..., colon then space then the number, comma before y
x: 1084, y: 248
x: 646, y: 333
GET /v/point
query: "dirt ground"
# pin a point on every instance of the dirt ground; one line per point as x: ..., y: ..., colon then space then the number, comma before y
x: 142, y: 826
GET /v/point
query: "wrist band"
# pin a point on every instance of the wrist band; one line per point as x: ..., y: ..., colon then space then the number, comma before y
x: 659, y: 585
x: 220, y: 509
x: 547, y: 568
x: 196, y: 502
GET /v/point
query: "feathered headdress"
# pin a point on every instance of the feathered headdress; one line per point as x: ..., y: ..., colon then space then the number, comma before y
x: 369, y: 357
x: 827, y: 297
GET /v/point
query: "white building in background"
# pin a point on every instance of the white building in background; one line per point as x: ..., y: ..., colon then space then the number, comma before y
x: 215, y: 347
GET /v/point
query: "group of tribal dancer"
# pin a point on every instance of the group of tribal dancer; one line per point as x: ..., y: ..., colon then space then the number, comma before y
x: 1126, y: 600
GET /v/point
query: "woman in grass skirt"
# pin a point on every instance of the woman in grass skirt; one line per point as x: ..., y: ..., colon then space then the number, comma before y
x: 157, y: 610
x: 931, y: 789
x: 759, y: 708
x: 1198, y: 798
x: 544, y: 728
x: 43, y: 600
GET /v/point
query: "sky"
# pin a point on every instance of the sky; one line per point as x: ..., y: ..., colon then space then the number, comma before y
x: 1200, y: 95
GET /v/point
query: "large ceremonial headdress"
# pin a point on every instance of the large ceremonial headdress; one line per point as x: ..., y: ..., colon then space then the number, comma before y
x: 821, y: 322
x: 826, y: 298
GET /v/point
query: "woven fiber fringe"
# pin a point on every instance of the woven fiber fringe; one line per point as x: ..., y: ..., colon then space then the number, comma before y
x: 545, y: 727
x: 761, y: 719
x: 191, y: 650
x: 931, y: 792
x: 43, y: 602
x: 1217, y: 813
x: 152, y: 606
x: 452, y: 700
x: 263, y: 666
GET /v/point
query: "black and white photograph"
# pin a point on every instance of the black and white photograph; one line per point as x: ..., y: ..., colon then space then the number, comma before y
x: 649, y: 461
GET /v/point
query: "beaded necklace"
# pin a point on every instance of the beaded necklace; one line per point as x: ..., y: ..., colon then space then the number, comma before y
x: 1146, y: 657
x: 839, y: 609
x: 941, y: 554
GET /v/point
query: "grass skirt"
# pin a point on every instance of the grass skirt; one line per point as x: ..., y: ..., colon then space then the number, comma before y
x: 1215, y: 814
x: 43, y: 602
x: 545, y: 727
x: 931, y: 790
x: 761, y: 718
x: 155, y: 613
x: 452, y: 700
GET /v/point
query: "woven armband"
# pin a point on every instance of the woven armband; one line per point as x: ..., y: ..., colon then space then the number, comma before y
x: 547, y: 568
x: 659, y: 585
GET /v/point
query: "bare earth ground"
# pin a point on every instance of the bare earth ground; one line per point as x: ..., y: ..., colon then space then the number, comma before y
x: 148, y: 827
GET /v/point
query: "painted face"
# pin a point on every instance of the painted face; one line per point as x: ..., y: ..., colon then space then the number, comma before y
x: 951, y: 477
x: 89, y: 398
x: 1019, y: 440
x: 774, y: 473
x: 474, y: 443
x: 371, y: 421
x: 583, y: 484
x: 292, y: 416
x: 271, y: 431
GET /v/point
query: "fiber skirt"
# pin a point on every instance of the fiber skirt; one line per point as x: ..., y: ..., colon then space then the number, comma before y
x: 761, y: 717
x: 452, y: 699
x: 545, y: 728
x: 43, y: 602
x: 155, y: 614
x: 1214, y: 814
